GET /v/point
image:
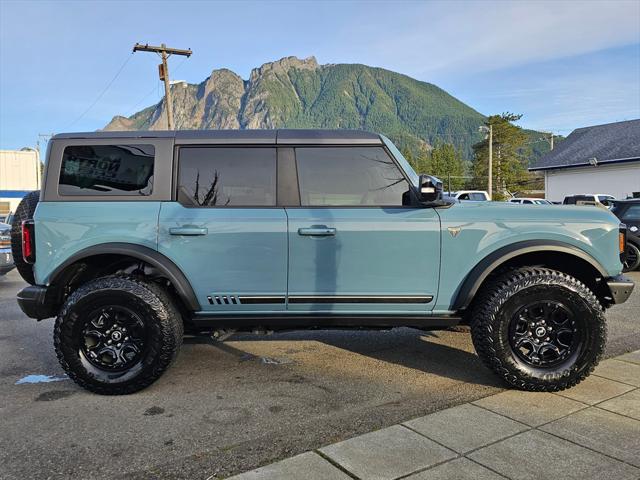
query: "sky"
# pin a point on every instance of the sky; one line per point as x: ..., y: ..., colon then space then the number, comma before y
x: 68, y: 66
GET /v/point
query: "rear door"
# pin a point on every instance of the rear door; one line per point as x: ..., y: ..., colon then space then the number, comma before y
x: 355, y: 246
x: 225, y: 231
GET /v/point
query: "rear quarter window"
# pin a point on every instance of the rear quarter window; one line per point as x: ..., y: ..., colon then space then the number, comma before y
x: 107, y: 170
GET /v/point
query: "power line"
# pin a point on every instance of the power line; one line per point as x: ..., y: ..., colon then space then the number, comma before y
x: 164, y: 52
x: 101, y: 93
x: 133, y: 109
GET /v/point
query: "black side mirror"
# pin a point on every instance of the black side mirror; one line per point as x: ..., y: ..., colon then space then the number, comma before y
x: 429, y: 189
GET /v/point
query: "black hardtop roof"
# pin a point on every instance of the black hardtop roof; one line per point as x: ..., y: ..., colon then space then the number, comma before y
x: 268, y: 137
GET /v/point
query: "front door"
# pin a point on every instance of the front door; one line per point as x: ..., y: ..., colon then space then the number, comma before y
x: 225, y: 231
x: 354, y: 247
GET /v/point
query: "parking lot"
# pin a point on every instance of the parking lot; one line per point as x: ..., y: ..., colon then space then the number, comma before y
x: 225, y: 408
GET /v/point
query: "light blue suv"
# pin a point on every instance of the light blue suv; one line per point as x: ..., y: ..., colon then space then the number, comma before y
x: 137, y: 237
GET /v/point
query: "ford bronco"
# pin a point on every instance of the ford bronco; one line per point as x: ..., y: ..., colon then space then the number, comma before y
x: 138, y: 237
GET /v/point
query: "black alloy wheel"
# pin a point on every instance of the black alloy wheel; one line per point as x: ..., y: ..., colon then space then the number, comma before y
x: 545, y: 334
x: 114, y: 338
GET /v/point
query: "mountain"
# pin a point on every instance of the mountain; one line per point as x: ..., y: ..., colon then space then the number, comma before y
x: 300, y: 93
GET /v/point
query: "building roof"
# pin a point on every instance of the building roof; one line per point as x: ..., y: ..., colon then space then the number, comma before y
x: 609, y: 143
x: 273, y: 137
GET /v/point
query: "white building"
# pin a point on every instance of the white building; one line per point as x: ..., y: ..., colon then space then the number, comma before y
x: 600, y: 159
x: 20, y: 173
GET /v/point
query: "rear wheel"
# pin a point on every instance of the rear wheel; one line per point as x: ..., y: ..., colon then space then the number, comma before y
x: 117, y: 335
x: 25, y: 211
x: 539, y: 329
x: 632, y: 257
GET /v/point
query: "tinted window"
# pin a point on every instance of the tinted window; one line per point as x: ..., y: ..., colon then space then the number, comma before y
x: 478, y: 197
x: 227, y: 177
x: 349, y: 176
x: 107, y: 170
x: 632, y: 214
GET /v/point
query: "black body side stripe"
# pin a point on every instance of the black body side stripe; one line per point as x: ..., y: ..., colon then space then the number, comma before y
x: 360, y: 299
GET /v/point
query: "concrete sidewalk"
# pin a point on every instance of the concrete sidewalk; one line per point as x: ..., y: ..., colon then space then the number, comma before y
x: 589, y: 431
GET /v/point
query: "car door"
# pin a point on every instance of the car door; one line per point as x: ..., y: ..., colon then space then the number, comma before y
x: 355, y: 246
x: 225, y: 231
x: 631, y: 218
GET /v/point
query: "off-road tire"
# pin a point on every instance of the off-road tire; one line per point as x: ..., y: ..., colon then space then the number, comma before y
x: 163, y: 323
x: 491, y: 317
x: 633, y: 258
x: 26, y: 209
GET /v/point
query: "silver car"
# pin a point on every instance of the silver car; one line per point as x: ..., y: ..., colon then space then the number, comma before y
x: 6, y: 259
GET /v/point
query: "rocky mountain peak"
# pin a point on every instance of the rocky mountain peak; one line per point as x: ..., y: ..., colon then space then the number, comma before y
x: 283, y: 65
x: 299, y: 93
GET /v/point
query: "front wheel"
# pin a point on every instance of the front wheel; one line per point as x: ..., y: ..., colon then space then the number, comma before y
x: 632, y: 258
x: 116, y: 335
x: 538, y: 329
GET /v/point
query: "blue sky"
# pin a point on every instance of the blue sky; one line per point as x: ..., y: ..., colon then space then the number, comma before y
x: 563, y: 64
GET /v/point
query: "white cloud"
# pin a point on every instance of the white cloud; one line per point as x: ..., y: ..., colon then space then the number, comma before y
x: 472, y: 36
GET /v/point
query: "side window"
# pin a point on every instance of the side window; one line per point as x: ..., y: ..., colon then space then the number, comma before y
x: 227, y: 177
x: 478, y: 197
x: 107, y: 170
x: 528, y: 202
x: 349, y: 176
x: 464, y: 196
x: 632, y: 214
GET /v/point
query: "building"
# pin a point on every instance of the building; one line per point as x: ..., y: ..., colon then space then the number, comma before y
x: 20, y: 173
x: 600, y: 159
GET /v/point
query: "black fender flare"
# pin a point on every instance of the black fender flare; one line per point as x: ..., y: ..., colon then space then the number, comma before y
x: 488, y: 264
x: 145, y: 254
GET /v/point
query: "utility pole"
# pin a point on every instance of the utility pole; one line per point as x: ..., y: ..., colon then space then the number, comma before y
x: 489, y: 130
x: 165, y: 52
x: 548, y: 139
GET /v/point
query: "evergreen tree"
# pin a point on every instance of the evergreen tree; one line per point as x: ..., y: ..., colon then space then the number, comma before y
x: 510, y: 153
x: 444, y: 161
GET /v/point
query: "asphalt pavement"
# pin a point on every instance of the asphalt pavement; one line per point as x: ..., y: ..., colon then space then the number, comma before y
x: 225, y: 408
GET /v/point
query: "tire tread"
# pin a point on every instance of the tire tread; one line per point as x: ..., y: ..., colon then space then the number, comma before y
x: 483, y: 321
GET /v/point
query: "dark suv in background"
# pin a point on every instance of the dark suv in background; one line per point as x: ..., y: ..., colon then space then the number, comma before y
x: 628, y: 211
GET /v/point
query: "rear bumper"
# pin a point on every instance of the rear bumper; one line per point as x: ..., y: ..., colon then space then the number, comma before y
x: 620, y: 288
x: 37, y: 302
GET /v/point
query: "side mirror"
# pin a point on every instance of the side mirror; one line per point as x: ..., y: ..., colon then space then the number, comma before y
x: 429, y: 189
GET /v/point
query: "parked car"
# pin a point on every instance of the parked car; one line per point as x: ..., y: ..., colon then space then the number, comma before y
x: 6, y: 258
x: 628, y: 211
x: 469, y: 195
x: 597, y: 199
x: 530, y: 201
x: 138, y: 237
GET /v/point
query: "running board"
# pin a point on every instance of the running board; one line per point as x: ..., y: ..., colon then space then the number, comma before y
x: 311, y: 320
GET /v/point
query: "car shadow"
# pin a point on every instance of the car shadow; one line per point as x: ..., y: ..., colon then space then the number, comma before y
x: 435, y: 353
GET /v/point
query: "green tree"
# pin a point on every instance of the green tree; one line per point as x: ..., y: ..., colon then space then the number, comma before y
x: 510, y: 153
x: 444, y: 161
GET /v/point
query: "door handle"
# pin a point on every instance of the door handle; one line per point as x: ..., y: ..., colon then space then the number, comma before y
x: 319, y: 231
x: 190, y: 231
